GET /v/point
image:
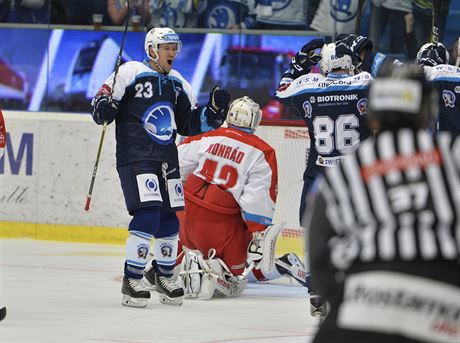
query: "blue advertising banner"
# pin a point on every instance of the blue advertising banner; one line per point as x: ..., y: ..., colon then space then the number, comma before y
x: 57, y: 70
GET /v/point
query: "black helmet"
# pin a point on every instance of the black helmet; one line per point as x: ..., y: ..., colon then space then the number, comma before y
x: 402, y: 97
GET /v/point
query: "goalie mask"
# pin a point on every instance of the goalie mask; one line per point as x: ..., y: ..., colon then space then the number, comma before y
x: 330, y: 62
x: 157, y: 36
x: 244, y: 112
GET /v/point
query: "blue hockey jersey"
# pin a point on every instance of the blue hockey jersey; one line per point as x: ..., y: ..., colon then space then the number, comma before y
x: 153, y: 108
x: 334, y: 109
x: 447, y: 81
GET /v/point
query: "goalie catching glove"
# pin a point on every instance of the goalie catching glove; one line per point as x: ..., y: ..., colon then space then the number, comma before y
x: 104, y: 109
x: 261, y: 250
x: 217, y: 108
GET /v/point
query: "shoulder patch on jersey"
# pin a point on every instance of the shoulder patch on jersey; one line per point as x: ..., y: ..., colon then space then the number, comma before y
x: 362, y: 106
x: 307, y: 108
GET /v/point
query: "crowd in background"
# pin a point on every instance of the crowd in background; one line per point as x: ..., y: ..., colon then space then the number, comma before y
x: 395, y: 26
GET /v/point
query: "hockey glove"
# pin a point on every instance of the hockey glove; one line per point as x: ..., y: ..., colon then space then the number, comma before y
x: 217, y: 107
x: 104, y: 110
x: 308, y: 56
x: 352, y: 45
x: 433, y: 55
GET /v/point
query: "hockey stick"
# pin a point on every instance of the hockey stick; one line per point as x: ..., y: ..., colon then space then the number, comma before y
x: 104, y: 126
x: 457, y: 60
x: 435, y: 29
x: 359, y: 15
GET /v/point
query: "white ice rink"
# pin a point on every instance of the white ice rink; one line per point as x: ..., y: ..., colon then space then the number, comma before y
x: 70, y: 293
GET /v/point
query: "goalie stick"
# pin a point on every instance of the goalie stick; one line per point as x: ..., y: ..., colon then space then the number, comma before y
x: 104, y: 126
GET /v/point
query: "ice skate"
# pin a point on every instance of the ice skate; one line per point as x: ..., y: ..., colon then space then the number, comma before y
x: 2, y: 313
x: 170, y: 292
x: 290, y: 264
x: 148, y: 280
x: 318, y: 307
x: 134, y: 294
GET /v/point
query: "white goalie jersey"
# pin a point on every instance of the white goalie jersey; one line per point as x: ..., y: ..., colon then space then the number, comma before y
x: 239, y: 162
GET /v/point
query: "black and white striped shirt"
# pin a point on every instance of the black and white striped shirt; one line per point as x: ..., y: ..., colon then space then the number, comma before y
x: 396, y: 199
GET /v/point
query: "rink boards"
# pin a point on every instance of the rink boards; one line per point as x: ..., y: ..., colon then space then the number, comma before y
x: 47, y: 167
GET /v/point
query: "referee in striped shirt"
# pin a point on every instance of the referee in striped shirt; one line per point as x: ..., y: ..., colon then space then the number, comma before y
x: 385, y: 224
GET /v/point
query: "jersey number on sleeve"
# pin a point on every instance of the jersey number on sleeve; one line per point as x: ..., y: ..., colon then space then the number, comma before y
x: 340, y: 135
x: 226, y: 176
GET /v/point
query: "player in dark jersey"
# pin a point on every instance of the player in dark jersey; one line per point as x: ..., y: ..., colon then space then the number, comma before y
x: 384, y: 239
x: 151, y: 104
x: 333, y: 105
x: 435, y: 58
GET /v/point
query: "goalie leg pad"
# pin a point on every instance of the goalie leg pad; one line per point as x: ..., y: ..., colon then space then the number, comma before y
x: 190, y: 273
x: 226, y: 284
x: 262, y: 248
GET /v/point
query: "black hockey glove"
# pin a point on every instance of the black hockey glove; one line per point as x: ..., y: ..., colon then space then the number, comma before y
x: 352, y: 45
x: 217, y: 107
x: 103, y: 110
x: 432, y: 56
x: 307, y: 57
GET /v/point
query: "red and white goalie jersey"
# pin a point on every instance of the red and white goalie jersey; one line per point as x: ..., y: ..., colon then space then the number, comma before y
x: 239, y: 162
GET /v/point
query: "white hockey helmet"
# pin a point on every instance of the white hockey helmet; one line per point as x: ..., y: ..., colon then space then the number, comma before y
x: 329, y: 60
x: 244, y: 112
x: 160, y: 35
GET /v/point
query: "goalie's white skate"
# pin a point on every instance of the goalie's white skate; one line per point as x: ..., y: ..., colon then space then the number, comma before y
x: 290, y: 264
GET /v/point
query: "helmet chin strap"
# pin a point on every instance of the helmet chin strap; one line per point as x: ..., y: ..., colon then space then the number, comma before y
x: 155, y: 60
x: 159, y: 67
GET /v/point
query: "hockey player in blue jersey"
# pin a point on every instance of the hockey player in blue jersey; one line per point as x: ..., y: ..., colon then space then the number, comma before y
x: 333, y: 105
x: 434, y: 58
x: 151, y: 104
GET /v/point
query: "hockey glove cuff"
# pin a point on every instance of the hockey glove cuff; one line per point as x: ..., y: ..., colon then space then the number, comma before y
x: 104, y: 110
x: 308, y: 56
x: 217, y: 108
x: 352, y: 45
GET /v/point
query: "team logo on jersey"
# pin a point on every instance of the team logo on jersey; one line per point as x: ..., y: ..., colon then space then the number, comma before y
x: 159, y: 123
x: 279, y: 5
x: 151, y: 185
x: 449, y: 98
x: 457, y: 89
x: 221, y: 17
x: 307, y: 109
x: 343, y: 10
x: 362, y: 106
x: 312, y: 99
x: 166, y: 250
x: 142, y: 251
